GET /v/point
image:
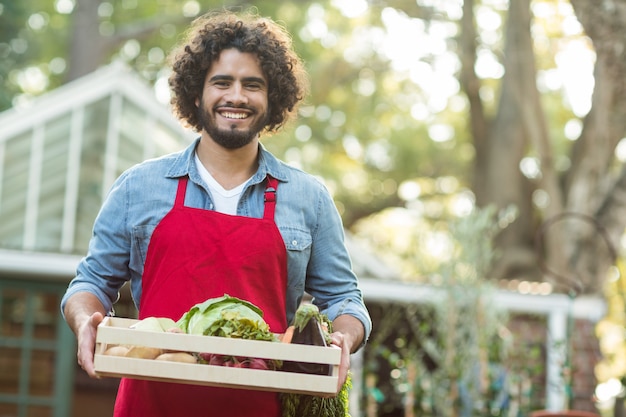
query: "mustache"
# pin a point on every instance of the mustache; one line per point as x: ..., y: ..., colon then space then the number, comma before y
x: 234, y: 106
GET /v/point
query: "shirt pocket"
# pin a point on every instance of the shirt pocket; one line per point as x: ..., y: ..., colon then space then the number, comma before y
x: 296, y: 239
x: 141, y: 236
x: 298, y: 243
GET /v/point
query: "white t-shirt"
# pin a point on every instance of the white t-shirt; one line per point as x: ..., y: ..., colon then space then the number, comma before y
x: 225, y: 200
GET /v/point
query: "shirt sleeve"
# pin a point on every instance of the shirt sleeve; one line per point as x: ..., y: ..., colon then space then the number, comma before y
x: 330, y: 278
x: 104, y: 270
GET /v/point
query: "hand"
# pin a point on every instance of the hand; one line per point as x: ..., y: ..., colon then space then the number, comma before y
x: 348, y: 335
x: 86, y: 337
x: 338, y: 339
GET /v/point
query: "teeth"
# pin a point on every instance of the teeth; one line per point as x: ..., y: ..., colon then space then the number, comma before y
x: 235, y: 115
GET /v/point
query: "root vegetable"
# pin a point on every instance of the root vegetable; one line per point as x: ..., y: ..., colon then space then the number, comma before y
x: 117, y: 351
x: 175, y: 330
x: 256, y: 363
x: 177, y: 357
x: 143, y: 352
x: 288, y: 335
x: 212, y: 358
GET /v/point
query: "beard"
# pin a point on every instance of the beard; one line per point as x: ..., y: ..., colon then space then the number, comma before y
x: 232, y: 138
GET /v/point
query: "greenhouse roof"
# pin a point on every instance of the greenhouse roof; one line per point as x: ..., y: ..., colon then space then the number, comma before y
x: 61, y: 153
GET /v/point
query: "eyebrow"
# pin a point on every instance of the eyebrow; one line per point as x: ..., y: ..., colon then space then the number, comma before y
x: 231, y: 78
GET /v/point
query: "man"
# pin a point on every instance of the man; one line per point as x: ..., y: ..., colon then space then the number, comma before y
x: 222, y: 217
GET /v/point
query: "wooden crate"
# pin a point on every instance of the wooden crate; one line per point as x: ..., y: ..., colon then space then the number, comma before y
x: 117, y: 331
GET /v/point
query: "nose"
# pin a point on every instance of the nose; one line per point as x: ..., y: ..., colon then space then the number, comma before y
x: 236, y: 94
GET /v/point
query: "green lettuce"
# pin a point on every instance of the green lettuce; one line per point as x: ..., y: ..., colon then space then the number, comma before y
x: 226, y: 316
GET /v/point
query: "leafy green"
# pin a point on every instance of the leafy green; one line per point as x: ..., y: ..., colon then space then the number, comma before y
x: 305, y: 313
x: 303, y: 405
x: 226, y: 316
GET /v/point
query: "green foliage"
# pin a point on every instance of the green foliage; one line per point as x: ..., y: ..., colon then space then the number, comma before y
x: 355, y: 129
x: 10, y: 19
x: 299, y: 405
x: 302, y: 405
x: 466, y: 322
x: 33, y: 49
x: 454, y: 356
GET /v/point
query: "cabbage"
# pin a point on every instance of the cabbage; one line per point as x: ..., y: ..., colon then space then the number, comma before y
x: 226, y: 316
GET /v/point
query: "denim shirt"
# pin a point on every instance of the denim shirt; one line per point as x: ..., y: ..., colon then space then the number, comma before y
x: 317, y: 259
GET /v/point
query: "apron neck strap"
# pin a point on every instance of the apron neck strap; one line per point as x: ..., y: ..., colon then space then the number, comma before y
x: 180, y: 192
x: 270, y: 198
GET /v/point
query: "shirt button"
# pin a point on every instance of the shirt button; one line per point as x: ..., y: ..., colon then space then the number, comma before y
x: 294, y: 242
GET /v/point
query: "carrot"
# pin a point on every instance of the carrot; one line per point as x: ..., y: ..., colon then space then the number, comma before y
x: 288, y: 335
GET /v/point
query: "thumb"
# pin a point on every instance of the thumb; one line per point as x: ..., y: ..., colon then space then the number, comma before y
x: 95, y: 319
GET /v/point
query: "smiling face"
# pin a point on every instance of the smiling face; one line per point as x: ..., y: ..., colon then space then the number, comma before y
x: 233, y: 105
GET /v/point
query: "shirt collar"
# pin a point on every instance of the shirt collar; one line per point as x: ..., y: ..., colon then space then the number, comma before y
x: 184, y: 164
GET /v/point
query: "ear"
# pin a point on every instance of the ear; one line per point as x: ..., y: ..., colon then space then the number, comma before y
x: 197, y: 101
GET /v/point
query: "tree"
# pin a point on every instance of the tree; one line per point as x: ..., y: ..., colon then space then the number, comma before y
x: 593, y: 186
x: 357, y: 116
x: 11, y: 16
x: 375, y: 129
x: 569, y: 212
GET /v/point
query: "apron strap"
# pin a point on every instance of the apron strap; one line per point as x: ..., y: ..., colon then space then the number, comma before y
x: 180, y: 192
x: 270, y: 198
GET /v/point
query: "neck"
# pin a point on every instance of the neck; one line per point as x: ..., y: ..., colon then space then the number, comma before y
x: 229, y: 167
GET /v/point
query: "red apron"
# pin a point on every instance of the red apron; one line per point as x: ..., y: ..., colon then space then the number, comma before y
x: 193, y: 255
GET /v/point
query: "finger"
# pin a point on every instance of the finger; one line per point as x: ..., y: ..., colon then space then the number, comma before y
x: 336, y: 339
x: 87, y: 345
x: 95, y: 319
x: 87, y: 364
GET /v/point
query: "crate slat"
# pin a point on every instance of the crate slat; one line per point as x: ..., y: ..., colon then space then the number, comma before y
x: 117, y: 331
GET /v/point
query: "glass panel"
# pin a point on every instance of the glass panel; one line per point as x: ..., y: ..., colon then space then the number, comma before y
x: 8, y: 410
x: 166, y: 140
x: 46, y: 316
x: 14, y: 186
x: 12, y: 303
x: 9, y: 370
x: 42, y: 373
x: 53, y: 178
x: 130, y: 152
x: 145, y: 137
x: 96, y: 121
x: 91, y: 171
x: 37, y: 372
x: 39, y: 411
x: 132, y: 134
x: 133, y: 121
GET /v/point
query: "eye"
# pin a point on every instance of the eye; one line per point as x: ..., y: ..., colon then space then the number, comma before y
x: 254, y: 86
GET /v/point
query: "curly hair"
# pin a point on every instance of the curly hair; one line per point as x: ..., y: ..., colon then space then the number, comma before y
x: 214, y: 32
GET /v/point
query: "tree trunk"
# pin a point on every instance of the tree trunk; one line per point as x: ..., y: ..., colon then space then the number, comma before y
x: 89, y: 49
x: 499, y: 153
x: 86, y: 44
x: 471, y: 86
x: 592, y: 188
